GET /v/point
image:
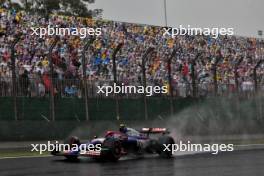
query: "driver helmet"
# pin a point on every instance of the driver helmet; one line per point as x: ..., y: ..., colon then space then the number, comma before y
x: 122, y: 128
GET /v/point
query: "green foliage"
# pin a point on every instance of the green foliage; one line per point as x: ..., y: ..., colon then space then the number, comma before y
x: 63, y: 7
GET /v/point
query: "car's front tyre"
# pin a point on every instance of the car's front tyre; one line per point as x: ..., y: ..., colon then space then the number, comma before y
x: 112, y: 149
x: 72, y: 141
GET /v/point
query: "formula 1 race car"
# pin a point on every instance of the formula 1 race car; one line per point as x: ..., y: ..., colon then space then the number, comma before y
x: 116, y: 144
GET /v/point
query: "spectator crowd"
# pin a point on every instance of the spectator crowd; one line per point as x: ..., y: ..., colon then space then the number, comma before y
x: 33, y: 65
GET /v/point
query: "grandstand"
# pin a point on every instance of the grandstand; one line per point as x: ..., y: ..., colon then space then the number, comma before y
x: 200, y: 65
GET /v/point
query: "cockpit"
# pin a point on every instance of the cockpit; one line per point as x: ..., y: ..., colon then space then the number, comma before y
x: 132, y: 132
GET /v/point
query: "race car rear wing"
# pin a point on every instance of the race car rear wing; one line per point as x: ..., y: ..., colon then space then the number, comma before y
x: 154, y: 130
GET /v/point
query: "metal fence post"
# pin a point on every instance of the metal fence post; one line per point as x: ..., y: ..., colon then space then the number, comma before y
x: 194, y: 86
x: 144, y: 59
x: 255, y: 74
x: 117, y: 49
x: 170, y: 80
x: 215, y: 74
x: 13, y: 64
x: 52, y: 104
x: 86, y: 46
x: 236, y: 74
x: 255, y: 77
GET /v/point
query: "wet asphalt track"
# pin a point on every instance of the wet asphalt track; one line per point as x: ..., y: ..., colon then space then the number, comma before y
x: 244, y: 163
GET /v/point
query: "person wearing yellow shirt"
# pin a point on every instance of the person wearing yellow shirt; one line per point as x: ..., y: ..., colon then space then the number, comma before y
x: 167, y: 85
x: 103, y: 55
x: 45, y: 62
x: 18, y: 17
x: 170, y: 43
x: 218, y: 76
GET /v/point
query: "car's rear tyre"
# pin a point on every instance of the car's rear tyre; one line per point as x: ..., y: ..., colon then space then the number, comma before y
x: 113, y: 149
x: 162, y: 151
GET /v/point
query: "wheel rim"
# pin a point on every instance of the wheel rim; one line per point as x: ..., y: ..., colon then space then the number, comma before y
x: 117, y: 150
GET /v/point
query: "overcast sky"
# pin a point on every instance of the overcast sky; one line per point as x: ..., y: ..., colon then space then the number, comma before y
x: 245, y: 16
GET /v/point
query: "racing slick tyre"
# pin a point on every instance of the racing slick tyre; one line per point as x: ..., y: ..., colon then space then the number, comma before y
x: 72, y: 141
x: 162, y: 151
x: 113, y: 149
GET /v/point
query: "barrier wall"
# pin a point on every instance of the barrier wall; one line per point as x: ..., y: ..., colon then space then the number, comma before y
x: 211, y: 116
x: 99, y: 109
